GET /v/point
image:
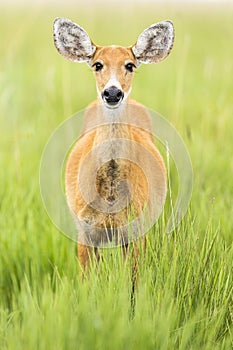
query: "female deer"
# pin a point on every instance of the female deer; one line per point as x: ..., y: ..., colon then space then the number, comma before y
x: 105, y: 180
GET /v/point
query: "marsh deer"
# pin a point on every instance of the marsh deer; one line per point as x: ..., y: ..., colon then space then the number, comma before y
x: 115, y: 138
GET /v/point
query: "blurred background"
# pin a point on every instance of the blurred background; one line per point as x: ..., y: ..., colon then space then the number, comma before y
x: 185, y: 289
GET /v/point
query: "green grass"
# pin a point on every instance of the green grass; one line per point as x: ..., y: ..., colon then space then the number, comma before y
x: 184, y: 296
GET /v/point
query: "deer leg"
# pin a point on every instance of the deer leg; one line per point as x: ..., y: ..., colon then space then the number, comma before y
x: 137, y: 246
x: 86, y: 254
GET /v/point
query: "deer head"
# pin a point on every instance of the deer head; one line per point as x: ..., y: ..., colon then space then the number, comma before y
x: 113, y: 66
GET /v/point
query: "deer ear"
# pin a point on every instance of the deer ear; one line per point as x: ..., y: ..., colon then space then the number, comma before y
x: 155, y: 43
x: 72, y: 41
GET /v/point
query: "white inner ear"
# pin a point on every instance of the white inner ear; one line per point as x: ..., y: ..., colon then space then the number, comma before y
x: 72, y: 41
x: 155, y: 43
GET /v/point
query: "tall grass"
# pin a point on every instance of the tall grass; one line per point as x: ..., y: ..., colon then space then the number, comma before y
x: 184, y: 294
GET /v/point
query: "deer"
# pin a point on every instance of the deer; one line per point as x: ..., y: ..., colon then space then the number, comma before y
x: 112, y: 118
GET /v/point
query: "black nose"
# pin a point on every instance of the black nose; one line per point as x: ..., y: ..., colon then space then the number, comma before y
x: 112, y: 95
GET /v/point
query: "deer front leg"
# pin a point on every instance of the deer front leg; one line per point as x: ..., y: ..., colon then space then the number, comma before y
x: 138, y: 247
x: 86, y: 254
x: 133, y: 254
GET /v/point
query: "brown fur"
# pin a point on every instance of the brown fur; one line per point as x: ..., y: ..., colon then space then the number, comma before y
x: 109, y: 175
x: 114, y: 58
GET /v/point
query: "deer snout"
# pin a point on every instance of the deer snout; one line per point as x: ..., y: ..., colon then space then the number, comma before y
x: 112, y: 96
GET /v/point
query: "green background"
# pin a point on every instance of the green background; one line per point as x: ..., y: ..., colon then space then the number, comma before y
x: 184, y: 295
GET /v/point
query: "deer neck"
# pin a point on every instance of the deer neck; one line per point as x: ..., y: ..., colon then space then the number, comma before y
x: 113, y: 124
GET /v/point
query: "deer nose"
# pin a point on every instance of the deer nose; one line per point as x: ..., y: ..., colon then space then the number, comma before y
x: 112, y: 95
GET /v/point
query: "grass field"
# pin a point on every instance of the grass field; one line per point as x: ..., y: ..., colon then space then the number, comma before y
x: 184, y: 297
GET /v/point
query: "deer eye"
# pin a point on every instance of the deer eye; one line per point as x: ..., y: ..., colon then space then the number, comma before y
x: 129, y: 67
x: 98, y: 66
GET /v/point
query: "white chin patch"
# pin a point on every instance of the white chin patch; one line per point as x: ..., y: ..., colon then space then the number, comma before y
x: 115, y: 106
